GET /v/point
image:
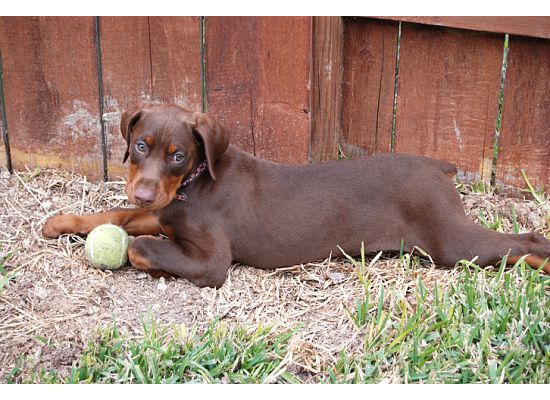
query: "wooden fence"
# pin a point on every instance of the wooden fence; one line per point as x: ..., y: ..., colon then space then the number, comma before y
x: 473, y: 91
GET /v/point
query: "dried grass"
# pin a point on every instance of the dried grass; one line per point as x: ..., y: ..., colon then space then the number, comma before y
x: 57, y: 300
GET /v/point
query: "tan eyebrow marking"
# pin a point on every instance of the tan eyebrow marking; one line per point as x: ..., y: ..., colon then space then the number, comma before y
x: 172, y: 149
x: 149, y: 140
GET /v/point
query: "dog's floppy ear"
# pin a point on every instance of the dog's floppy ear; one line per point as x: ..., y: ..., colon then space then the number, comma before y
x: 213, y: 135
x: 127, y: 122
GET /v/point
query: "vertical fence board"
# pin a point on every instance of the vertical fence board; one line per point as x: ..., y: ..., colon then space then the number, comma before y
x: 447, y: 100
x: 283, y: 74
x: 3, y: 154
x: 257, y: 83
x: 51, y: 92
x: 370, y: 49
x: 525, y: 130
x: 176, y: 61
x: 126, y: 65
x: 229, y: 76
x: 326, y: 89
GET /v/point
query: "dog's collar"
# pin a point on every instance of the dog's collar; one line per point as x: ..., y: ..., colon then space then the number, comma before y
x: 180, y: 195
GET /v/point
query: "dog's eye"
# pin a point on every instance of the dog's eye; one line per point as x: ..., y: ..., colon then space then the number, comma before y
x: 141, y: 146
x: 178, y: 157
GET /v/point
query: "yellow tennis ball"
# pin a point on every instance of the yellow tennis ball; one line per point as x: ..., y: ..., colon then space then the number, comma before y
x: 107, y: 247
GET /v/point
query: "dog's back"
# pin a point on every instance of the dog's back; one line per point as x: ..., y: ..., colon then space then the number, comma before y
x: 312, y: 209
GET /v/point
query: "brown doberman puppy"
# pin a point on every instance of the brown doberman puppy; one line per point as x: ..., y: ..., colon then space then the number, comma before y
x: 218, y: 204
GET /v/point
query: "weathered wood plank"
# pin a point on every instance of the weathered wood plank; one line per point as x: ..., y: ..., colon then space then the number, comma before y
x: 3, y: 135
x: 4, y: 141
x: 283, y: 81
x: 326, y: 88
x: 257, y: 83
x: 447, y: 100
x: 126, y: 66
x: 370, y: 48
x: 536, y: 26
x: 229, y: 76
x: 525, y: 131
x: 51, y: 93
x: 176, y: 61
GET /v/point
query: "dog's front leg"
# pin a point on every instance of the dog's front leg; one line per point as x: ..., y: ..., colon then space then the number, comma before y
x: 204, y: 262
x: 135, y: 221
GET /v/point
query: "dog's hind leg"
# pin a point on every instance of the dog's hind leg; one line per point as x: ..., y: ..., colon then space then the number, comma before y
x: 469, y: 241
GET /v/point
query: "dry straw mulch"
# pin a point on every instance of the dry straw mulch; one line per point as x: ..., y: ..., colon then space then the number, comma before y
x: 57, y: 301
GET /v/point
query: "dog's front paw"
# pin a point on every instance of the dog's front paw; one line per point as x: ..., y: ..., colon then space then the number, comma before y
x: 58, y: 225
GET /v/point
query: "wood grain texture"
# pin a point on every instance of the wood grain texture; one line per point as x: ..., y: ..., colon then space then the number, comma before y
x: 447, y: 100
x: 257, y: 83
x: 51, y: 93
x: 230, y: 76
x: 126, y: 65
x: 326, y: 88
x: 525, y: 131
x: 3, y: 150
x: 3, y: 131
x: 176, y: 61
x: 370, y: 49
x: 537, y: 26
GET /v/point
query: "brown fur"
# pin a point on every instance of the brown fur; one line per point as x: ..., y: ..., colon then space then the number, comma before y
x: 272, y: 215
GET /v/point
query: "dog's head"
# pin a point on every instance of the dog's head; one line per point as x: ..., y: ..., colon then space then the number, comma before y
x: 165, y: 143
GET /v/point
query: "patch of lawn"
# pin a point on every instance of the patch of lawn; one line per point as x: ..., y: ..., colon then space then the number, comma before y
x: 488, y: 327
x: 172, y: 354
x: 5, y: 276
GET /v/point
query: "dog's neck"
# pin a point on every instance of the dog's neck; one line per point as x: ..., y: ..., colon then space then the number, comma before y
x: 199, y: 169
